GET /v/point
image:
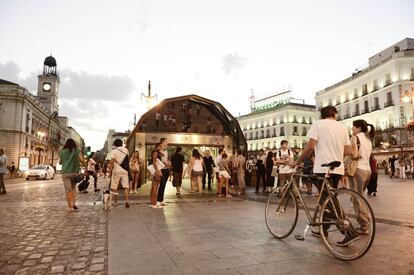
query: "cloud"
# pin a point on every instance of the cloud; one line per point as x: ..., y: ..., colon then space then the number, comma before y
x: 233, y: 62
x: 10, y: 71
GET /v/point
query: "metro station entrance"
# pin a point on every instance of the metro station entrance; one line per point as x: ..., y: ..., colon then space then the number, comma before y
x: 192, y: 122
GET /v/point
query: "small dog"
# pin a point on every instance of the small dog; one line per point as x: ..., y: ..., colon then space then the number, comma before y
x: 106, y: 198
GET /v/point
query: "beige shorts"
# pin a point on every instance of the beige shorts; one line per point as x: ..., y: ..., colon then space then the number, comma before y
x: 224, y: 174
x: 68, y: 184
x: 119, y: 177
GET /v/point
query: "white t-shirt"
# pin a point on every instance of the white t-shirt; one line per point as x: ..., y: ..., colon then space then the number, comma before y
x: 331, y: 139
x: 198, y: 166
x: 119, y: 157
x: 365, y: 150
x: 164, y: 158
x: 284, y: 155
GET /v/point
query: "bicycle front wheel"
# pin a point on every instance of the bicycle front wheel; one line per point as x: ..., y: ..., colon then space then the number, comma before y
x: 351, y: 228
x: 281, y: 213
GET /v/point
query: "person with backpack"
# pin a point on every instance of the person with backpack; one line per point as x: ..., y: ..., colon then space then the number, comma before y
x: 261, y: 170
x: 283, y: 157
x: 119, y: 171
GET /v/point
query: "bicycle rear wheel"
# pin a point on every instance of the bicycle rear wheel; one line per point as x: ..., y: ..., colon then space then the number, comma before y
x: 281, y: 213
x: 351, y: 234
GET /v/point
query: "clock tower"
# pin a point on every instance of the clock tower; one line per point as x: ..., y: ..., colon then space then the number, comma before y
x: 48, y: 85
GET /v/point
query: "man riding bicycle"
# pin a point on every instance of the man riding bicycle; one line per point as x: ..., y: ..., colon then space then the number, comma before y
x: 330, y: 142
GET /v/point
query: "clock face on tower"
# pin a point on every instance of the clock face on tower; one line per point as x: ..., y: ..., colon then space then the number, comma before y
x: 46, y: 87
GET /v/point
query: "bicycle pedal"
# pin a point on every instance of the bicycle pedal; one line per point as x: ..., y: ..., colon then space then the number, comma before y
x: 299, y: 237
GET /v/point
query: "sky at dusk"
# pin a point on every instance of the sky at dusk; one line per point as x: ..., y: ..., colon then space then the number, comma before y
x: 107, y: 51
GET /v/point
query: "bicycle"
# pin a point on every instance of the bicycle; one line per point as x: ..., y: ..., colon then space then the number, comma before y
x: 341, y: 210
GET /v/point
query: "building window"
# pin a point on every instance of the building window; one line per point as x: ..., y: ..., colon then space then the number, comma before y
x: 267, y: 133
x: 389, y: 100
x: 295, y: 120
x: 303, y: 120
x: 330, y: 102
x: 257, y: 146
x: 256, y: 135
x: 355, y: 93
x: 274, y: 144
x: 364, y: 89
x: 346, y: 97
x: 387, y: 79
x: 356, y: 110
x: 376, y: 103
x: 366, y: 107
x: 304, y: 131
x: 282, y: 131
x: 412, y: 74
x: 310, y: 120
x: 375, y: 85
x: 338, y: 100
x: 295, y: 131
x: 274, y: 132
x: 251, y: 135
x: 295, y: 143
x: 262, y: 134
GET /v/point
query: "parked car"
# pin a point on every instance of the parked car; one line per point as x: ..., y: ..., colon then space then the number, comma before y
x: 40, y: 172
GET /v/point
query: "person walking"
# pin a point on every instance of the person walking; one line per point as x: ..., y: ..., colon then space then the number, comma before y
x: 92, y: 172
x: 134, y: 164
x: 361, y: 150
x: 241, y: 161
x: 3, y: 169
x: 156, y: 157
x: 105, y: 169
x: 283, y: 157
x: 70, y: 156
x: 164, y: 170
x: 330, y: 141
x: 218, y: 159
x: 372, y: 185
x: 177, y: 164
x: 209, y: 164
x: 270, y: 180
x: 119, y: 171
x: 196, y: 168
x: 391, y: 163
x: 13, y: 170
x: 260, y: 171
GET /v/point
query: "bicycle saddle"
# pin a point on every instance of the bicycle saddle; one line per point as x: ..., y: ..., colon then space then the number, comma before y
x: 332, y: 165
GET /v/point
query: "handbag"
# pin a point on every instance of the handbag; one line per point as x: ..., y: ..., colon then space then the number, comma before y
x: 351, y: 163
x: 151, y: 168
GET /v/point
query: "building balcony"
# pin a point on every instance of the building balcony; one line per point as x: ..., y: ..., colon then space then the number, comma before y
x: 364, y: 92
x: 282, y: 134
x: 374, y: 89
x: 274, y: 135
x: 365, y: 111
x: 295, y: 133
x: 356, y: 113
x: 267, y: 136
x: 388, y: 104
x: 387, y: 83
x: 347, y: 116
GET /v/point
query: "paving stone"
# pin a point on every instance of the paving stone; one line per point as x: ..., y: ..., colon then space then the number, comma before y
x: 15, y: 261
x: 82, y: 259
x: 51, y: 253
x: 23, y: 271
x: 35, y: 256
x: 97, y: 267
x: 98, y: 260
x: 99, y: 249
x: 29, y: 263
x: 57, y: 269
x: 84, y: 253
x: 78, y: 266
x: 22, y: 255
x: 47, y: 260
x: 86, y: 248
x: 42, y: 266
x: 29, y: 249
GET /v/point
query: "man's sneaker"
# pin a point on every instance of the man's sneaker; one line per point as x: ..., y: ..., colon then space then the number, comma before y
x: 157, y: 206
x: 347, y: 240
x: 161, y: 203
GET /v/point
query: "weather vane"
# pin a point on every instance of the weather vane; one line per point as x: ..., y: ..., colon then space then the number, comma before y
x: 149, y: 98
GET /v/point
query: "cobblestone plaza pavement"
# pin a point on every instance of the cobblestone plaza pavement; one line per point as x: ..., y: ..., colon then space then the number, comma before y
x: 191, y: 235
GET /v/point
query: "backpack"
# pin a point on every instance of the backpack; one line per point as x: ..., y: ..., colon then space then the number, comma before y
x: 280, y: 153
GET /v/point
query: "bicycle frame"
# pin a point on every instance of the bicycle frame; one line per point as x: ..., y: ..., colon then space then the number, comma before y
x: 326, y: 186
